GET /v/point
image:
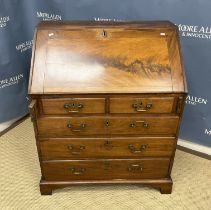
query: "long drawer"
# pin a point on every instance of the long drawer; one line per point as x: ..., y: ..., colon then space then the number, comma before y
x: 105, y: 169
x: 70, y: 126
x: 58, y: 149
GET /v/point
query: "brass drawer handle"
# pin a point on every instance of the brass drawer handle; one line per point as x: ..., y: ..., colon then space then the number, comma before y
x: 138, y: 107
x: 134, y: 124
x: 135, y: 168
x: 73, y: 107
x: 134, y: 150
x: 77, y: 150
x: 79, y: 129
x: 78, y: 171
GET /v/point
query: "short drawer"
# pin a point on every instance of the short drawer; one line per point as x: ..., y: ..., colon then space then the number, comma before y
x: 58, y: 149
x: 102, y: 169
x: 142, y: 105
x: 73, y: 106
x: 82, y: 126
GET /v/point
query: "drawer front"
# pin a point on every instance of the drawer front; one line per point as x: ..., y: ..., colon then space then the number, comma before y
x: 70, y: 126
x: 143, y: 125
x: 105, y: 169
x: 73, y: 106
x: 142, y: 105
x: 58, y: 149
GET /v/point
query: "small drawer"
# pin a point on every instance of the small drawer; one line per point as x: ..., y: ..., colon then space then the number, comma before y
x: 102, y: 169
x: 83, y: 126
x: 142, y: 105
x: 58, y: 149
x: 70, y: 106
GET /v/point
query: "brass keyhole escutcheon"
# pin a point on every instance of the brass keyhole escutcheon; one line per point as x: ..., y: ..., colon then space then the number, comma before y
x: 104, y: 34
x: 108, y: 145
x: 107, y: 123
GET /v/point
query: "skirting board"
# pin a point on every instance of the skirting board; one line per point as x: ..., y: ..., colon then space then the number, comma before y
x: 6, y: 126
x: 195, y: 147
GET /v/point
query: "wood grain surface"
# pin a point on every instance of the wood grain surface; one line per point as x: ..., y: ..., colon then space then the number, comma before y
x: 76, y: 148
x: 104, y: 169
x: 74, y: 106
x: 106, y: 59
x: 142, y: 105
x: 107, y: 102
x: 58, y: 126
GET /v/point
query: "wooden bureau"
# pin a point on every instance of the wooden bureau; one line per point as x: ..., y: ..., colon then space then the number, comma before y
x: 106, y: 102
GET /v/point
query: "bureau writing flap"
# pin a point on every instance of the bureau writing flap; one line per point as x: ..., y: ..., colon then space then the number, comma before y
x: 106, y: 59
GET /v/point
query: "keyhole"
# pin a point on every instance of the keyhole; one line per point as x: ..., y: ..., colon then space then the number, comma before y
x: 104, y: 33
x: 107, y: 123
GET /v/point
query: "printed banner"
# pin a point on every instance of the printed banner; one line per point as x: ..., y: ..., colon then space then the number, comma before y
x: 19, y: 18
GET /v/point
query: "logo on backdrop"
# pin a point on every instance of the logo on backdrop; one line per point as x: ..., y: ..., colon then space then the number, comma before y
x: 11, y: 81
x: 24, y: 46
x: 207, y: 132
x: 47, y: 16
x: 195, y: 31
x: 193, y: 100
x: 107, y: 19
x: 3, y: 21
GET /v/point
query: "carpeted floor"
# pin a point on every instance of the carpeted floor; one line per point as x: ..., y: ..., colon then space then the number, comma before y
x: 20, y: 175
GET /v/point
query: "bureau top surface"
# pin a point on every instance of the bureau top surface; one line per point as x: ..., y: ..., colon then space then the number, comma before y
x: 76, y: 57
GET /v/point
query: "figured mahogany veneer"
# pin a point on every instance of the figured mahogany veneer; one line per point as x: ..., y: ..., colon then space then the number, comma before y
x: 67, y: 106
x: 105, y: 169
x: 147, y: 104
x: 105, y: 125
x: 106, y: 101
x: 74, y: 148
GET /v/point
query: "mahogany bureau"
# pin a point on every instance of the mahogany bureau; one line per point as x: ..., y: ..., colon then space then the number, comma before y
x: 106, y: 102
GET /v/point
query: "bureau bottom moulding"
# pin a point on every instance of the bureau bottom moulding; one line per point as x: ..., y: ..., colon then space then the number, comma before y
x: 164, y: 185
